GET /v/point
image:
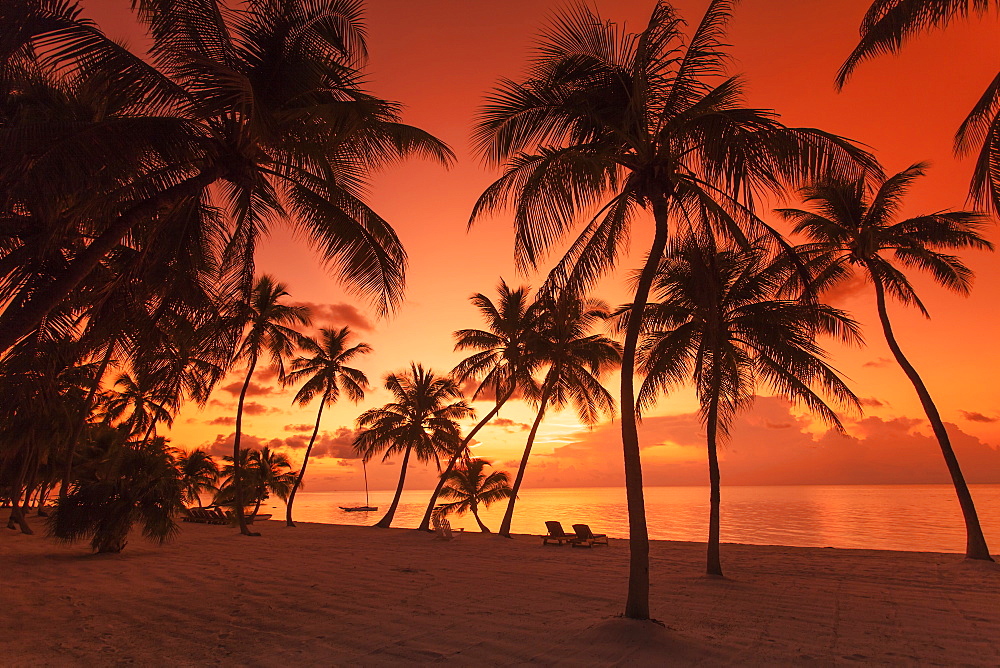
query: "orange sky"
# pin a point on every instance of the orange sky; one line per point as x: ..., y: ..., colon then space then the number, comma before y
x: 438, y: 57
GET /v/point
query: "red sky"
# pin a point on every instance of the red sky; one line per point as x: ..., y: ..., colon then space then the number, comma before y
x: 438, y: 57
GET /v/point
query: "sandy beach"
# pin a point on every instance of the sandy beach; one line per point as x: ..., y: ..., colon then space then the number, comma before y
x: 332, y: 595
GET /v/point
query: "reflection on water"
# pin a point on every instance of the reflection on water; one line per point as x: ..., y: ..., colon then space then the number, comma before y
x: 885, y: 517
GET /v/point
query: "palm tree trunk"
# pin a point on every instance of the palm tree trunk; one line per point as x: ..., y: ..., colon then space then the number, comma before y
x: 81, y: 420
x: 714, y: 566
x: 475, y: 513
x: 16, y: 322
x: 386, y: 521
x: 302, y: 471
x: 637, y: 603
x: 425, y: 523
x: 975, y: 543
x: 241, y: 521
x: 508, y: 515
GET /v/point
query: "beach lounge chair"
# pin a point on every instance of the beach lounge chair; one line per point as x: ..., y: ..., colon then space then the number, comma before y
x: 556, y: 534
x: 442, y: 527
x: 587, y: 538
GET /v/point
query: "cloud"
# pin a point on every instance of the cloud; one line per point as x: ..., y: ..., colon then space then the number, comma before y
x: 871, y: 401
x: 878, y: 363
x: 254, y: 408
x: 298, y: 427
x: 973, y: 416
x: 508, y: 424
x: 338, y: 444
x: 470, y: 385
x: 337, y: 316
x: 222, y: 446
x: 253, y: 390
x: 853, y: 286
x: 222, y: 421
x: 875, y: 451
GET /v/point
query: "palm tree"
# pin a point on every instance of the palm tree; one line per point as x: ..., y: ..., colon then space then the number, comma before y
x: 627, y: 123
x: 198, y: 473
x: 885, y: 28
x: 268, y: 331
x: 575, y: 362
x: 471, y: 487
x: 420, y: 420
x: 325, y: 373
x: 137, y: 483
x: 719, y: 321
x: 504, y: 361
x: 263, y: 472
x: 261, y: 113
x: 143, y: 400
x: 852, y: 228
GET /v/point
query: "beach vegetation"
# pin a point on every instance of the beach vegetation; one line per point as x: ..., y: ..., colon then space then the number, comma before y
x: 472, y: 487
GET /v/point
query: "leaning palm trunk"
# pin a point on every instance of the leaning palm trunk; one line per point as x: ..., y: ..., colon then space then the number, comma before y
x: 302, y: 471
x: 714, y: 565
x: 426, y: 521
x: 975, y: 543
x: 386, y: 521
x: 15, y: 323
x: 637, y: 603
x: 475, y: 513
x: 237, y: 466
x: 81, y: 420
x: 508, y: 515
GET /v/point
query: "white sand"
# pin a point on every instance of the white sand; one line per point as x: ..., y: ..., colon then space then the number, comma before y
x: 331, y: 595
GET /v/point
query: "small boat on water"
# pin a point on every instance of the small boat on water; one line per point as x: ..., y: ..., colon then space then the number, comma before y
x: 366, y: 507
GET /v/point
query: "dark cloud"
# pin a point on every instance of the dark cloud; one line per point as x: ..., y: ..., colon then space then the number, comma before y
x: 338, y: 444
x: 973, y: 416
x: 222, y: 421
x: 335, y: 316
x: 778, y: 425
x: 871, y: 401
x: 878, y: 363
x: 509, y: 425
x: 299, y: 427
x: 254, y: 390
x: 254, y: 408
x: 222, y: 446
x: 875, y: 451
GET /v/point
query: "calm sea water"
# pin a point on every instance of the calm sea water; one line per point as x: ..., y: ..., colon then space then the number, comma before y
x: 885, y: 517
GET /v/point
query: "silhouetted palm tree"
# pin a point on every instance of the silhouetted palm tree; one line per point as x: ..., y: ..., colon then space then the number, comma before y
x: 421, y: 420
x: 263, y: 472
x: 323, y: 368
x: 199, y: 474
x: 471, y: 487
x: 268, y: 332
x: 137, y: 483
x: 627, y: 124
x: 575, y: 362
x: 890, y: 23
x: 853, y: 229
x: 504, y: 362
x: 719, y: 321
x: 145, y: 403
x: 260, y: 112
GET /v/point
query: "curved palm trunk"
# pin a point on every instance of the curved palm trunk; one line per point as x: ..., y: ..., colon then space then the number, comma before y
x: 475, y: 513
x: 425, y: 523
x: 637, y: 603
x: 302, y: 471
x: 714, y: 565
x: 975, y: 543
x: 387, y: 520
x: 508, y: 515
x: 241, y: 521
x: 17, y: 322
x: 81, y: 421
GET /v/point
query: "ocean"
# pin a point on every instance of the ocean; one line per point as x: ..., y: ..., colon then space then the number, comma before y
x: 922, y: 518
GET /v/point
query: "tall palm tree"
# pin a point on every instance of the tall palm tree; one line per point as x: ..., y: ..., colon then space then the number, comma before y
x: 853, y: 228
x: 504, y: 362
x: 260, y: 112
x: 268, y: 332
x: 199, y: 473
x: 471, y: 488
x: 575, y: 362
x: 421, y: 420
x: 323, y: 367
x: 887, y: 25
x: 629, y: 123
x: 719, y: 321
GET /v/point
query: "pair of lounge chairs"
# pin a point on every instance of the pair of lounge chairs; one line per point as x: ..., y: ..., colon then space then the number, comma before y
x: 583, y: 536
x: 206, y: 516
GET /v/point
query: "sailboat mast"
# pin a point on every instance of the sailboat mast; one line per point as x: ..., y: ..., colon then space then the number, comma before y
x: 364, y: 468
